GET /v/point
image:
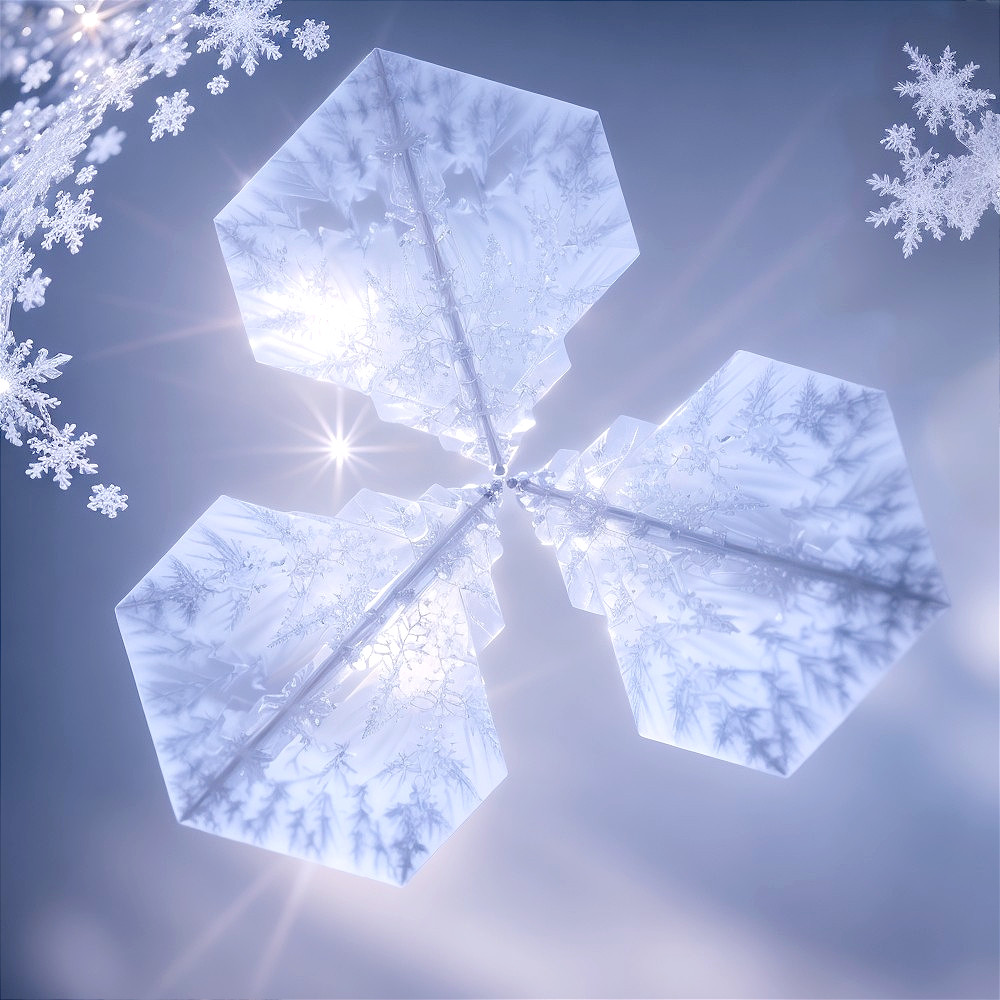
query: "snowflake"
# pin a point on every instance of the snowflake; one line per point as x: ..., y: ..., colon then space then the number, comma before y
x: 107, y: 500
x: 239, y: 29
x: 943, y: 91
x: 36, y: 74
x: 105, y: 145
x: 169, y: 57
x: 62, y: 455
x: 935, y: 192
x: 85, y: 175
x: 21, y: 123
x: 31, y: 291
x: 217, y: 85
x: 312, y: 38
x: 22, y: 405
x: 170, y: 115
x: 116, y: 85
x: 71, y: 221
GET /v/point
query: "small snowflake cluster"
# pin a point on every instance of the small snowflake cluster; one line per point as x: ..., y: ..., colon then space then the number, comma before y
x: 955, y: 191
x: 78, y: 62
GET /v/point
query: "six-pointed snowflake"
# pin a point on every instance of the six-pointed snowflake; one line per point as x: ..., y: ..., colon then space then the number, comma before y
x: 170, y: 115
x: 312, y: 38
x: 107, y: 500
x: 217, y: 85
x: 105, y: 145
x: 71, y: 220
x: 241, y: 30
x: 62, y: 454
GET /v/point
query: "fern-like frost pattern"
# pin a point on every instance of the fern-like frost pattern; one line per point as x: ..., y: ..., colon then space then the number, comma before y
x: 760, y: 557
x: 311, y: 684
x: 428, y: 238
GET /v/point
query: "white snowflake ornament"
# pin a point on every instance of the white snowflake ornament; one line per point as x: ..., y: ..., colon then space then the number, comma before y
x: 312, y: 38
x: 71, y: 220
x: 107, y: 500
x: 241, y: 30
x: 62, y: 454
x: 170, y: 115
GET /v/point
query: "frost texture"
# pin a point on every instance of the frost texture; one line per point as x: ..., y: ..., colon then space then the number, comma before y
x: 760, y: 557
x: 933, y: 192
x: 429, y: 238
x: 311, y: 684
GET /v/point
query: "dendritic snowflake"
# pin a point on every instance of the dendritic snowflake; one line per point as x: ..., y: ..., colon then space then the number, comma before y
x: 312, y: 38
x: 935, y: 193
x: 107, y: 500
x: 241, y: 30
x: 62, y: 454
x: 71, y: 220
x: 217, y: 85
x: 170, y: 115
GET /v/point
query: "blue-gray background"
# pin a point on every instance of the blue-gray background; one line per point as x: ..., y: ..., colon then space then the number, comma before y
x: 605, y: 865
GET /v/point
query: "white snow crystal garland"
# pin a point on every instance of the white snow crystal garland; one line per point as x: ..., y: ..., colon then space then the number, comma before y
x: 79, y: 65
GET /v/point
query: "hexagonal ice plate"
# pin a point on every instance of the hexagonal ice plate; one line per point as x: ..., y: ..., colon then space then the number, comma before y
x: 429, y: 238
x: 760, y: 557
x: 311, y: 684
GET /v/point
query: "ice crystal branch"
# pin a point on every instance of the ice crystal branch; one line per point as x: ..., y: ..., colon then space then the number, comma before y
x: 79, y: 62
x: 935, y: 192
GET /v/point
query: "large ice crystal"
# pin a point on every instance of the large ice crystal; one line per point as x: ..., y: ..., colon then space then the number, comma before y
x: 428, y: 238
x: 760, y: 557
x: 311, y: 684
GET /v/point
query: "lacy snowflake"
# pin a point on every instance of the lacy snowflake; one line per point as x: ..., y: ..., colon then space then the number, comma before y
x: 936, y: 192
x: 312, y: 38
x: 107, y: 500
x: 217, y: 85
x: 170, y: 115
x: 240, y: 30
x: 62, y: 454
x: 71, y: 220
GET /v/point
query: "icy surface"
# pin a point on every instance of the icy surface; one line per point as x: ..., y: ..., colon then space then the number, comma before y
x: 760, y: 557
x: 311, y: 684
x: 428, y: 238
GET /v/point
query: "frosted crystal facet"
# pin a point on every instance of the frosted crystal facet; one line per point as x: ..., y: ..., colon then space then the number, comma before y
x: 760, y: 557
x: 311, y: 684
x: 428, y: 238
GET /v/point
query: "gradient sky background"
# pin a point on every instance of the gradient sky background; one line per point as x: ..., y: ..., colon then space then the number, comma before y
x: 605, y: 865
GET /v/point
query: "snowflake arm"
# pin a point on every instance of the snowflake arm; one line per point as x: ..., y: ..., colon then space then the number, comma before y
x: 62, y: 454
x: 71, y: 220
x: 85, y: 175
x: 23, y: 406
x: 241, y: 30
x: 107, y: 500
x: 170, y: 115
x: 312, y: 38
